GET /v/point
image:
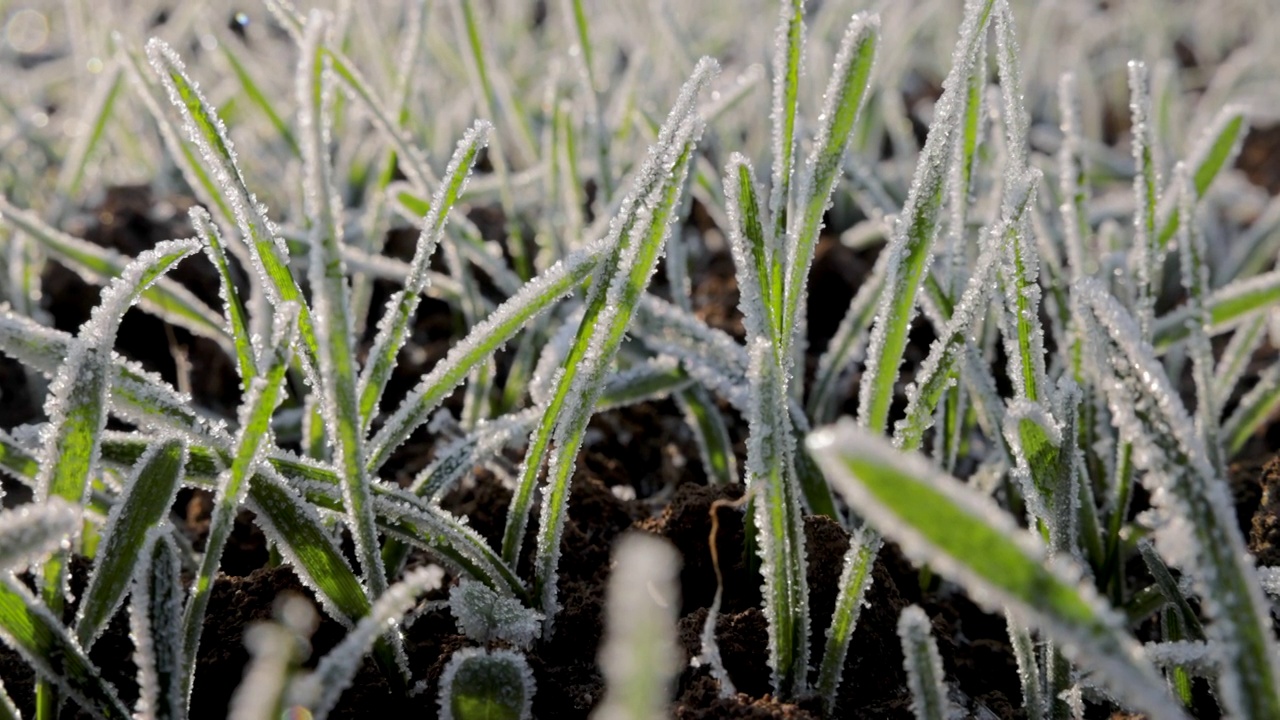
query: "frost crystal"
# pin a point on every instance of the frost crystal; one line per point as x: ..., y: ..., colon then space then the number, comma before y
x: 33, y: 530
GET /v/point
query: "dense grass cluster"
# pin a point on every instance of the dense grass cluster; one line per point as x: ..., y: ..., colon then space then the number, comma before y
x: 1071, y: 280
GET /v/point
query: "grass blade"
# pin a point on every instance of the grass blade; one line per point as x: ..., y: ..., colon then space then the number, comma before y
x: 1228, y: 307
x: 845, y: 94
x: 31, y: 531
x: 33, y: 631
x: 855, y: 581
x: 964, y: 535
x: 1216, y: 149
x: 1255, y: 408
x: 155, y: 623
x: 265, y: 393
x: 337, y: 669
x: 1183, y: 483
x: 217, y: 155
x: 145, y: 501
x: 236, y: 316
x: 340, y: 402
x: 788, y: 66
x: 393, y: 327
x: 638, y: 233
x: 923, y: 665
x: 911, y: 246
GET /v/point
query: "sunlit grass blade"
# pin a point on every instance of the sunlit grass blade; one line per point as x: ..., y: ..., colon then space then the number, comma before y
x: 850, y: 79
x: 31, y: 531
x: 234, y: 310
x: 166, y: 299
x: 638, y: 247
x: 911, y: 246
x: 393, y: 327
x: 181, y: 152
x: 334, y: 334
x: 1216, y: 149
x: 155, y: 624
x: 1207, y: 542
x: 320, y: 690
x: 32, y: 630
x: 265, y: 393
x: 779, y: 521
x: 965, y: 536
x: 145, y: 501
x: 1228, y: 307
x: 479, y: 344
x: 80, y: 392
x: 217, y: 156
x: 757, y: 266
x: 1195, y: 280
x: 942, y: 365
x: 855, y: 581
x: 923, y: 665
x: 638, y: 233
x: 1019, y: 280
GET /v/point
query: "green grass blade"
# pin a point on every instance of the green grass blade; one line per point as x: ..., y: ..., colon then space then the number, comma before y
x: 1182, y: 482
x: 637, y: 246
x: 924, y: 666
x: 479, y: 344
x: 779, y: 522
x: 965, y: 536
x: 1216, y: 149
x: 166, y: 299
x: 340, y: 402
x: 258, y: 98
x: 715, y: 446
x: 217, y: 154
x: 80, y: 392
x: 233, y: 307
x: 98, y: 110
x: 265, y: 393
x: 912, y: 243
x: 1228, y: 307
x: 942, y: 365
x: 1019, y: 279
x: 155, y: 624
x: 32, y: 630
x: 788, y: 67
x: 337, y: 669
x: 845, y: 94
x: 753, y: 253
x: 855, y: 581
x: 144, y: 502
x: 394, y: 325
x: 1147, y: 252
x: 1255, y: 408
x: 632, y: 239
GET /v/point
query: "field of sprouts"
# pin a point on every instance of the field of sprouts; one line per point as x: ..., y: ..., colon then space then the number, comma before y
x: 500, y: 359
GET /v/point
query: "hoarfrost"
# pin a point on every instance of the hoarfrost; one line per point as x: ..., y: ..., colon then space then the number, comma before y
x: 30, y: 531
x: 924, y: 666
x: 485, y: 616
x: 500, y: 679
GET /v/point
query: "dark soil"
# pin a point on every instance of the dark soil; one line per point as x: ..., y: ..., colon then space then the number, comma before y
x: 644, y: 452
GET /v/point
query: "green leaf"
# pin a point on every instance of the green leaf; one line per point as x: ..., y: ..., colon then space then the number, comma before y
x: 148, y: 494
x: 233, y: 307
x: 1228, y: 307
x: 34, y: 633
x: 965, y: 536
x: 911, y: 246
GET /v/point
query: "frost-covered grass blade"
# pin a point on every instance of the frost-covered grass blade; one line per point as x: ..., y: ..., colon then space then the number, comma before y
x: 144, y: 503
x: 31, y: 531
x: 923, y: 665
x: 967, y: 537
x: 155, y: 623
x: 1188, y: 490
